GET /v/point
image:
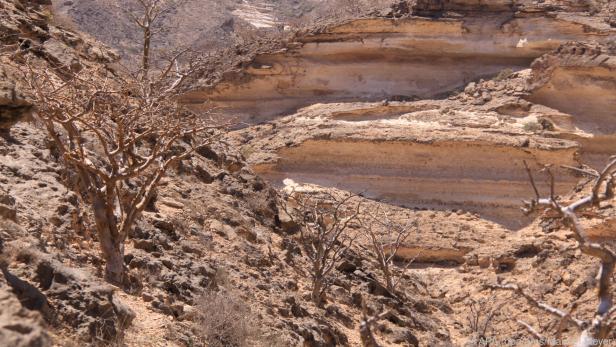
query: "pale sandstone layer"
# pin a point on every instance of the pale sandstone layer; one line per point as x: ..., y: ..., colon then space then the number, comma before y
x: 441, y: 158
x: 464, y: 153
x: 406, y: 58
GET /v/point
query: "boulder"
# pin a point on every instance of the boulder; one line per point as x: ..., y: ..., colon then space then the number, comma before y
x: 19, y: 326
x: 7, y: 206
x: 65, y: 295
x: 14, y: 105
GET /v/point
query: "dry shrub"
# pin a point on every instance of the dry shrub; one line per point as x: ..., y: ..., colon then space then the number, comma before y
x: 224, y: 320
x: 503, y: 75
x: 481, y: 318
x: 532, y: 126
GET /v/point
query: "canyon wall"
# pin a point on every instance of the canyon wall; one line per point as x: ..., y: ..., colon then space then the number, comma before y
x: 437, y: 155
x: 580, y: 80
x: 509, y: 87
x: 472, y: 176
x: 385, y: 58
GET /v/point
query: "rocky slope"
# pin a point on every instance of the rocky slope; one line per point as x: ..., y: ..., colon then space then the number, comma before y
x: 215, y: 243
x: 182, y: 249
x: 462, y: 153
x: 39, y: 289
x: 202, y: 25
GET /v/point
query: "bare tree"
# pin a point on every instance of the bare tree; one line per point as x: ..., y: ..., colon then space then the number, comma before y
x: 385, y: 245
x: 120, y: 133
x: 119, y: 136
x: 481, y: 317
x: 147, y: 15
x: 324, y: 225
x: 604, y: 320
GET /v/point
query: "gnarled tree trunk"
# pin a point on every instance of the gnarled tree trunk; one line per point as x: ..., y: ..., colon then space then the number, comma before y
x: 111, y: 241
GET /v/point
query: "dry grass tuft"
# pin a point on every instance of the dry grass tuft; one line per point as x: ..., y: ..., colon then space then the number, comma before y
x: 224, y: 320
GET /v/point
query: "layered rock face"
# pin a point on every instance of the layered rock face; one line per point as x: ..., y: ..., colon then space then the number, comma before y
x: 438, y: 155
x: 463, y: 153
x: 580, y: 80
x: 414, y: 57
x: 475, y: 176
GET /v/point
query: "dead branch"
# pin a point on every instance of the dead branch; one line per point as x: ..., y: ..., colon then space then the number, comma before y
x: 537, y: 304
x: 601, y: 325
x: 534, y: 333
x: 386, y: 250
x: 366, y: 324
x: 584, y: 171
x: 481, y: 315
x: 147, y: 16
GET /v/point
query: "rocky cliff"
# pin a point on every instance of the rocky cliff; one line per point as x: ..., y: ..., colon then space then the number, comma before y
x: 466, y: 152
x: 407, y: 58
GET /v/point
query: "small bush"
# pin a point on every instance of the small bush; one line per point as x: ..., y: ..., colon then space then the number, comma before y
x: 224, y: 321
x: 532, y: 126
x: 503, y: 75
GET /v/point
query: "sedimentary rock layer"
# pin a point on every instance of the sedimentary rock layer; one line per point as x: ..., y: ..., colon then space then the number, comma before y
x: 471, y: 176
x: 378, y: 58
x: 580, y: 80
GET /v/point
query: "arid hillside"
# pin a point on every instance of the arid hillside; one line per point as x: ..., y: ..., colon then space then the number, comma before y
x: 202, y: 24
x: 309, y: 173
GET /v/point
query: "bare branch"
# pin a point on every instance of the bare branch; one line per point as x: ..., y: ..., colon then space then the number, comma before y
x: 534, y: 333
x: 134, y: 131
x: 385, y: 252
x: 582, y: 171
x: 366, y: 324
x: 532, y: 180
x: 602, y: 324
x: 542, y: 306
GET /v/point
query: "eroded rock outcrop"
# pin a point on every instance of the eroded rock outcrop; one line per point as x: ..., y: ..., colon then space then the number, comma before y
x: 19, y: 326
x: 410, y: 57
x: 580, y: 80
x: 24, y: 28
x: 61, y: 293
x: 14, y: 105
x: 465, y: 153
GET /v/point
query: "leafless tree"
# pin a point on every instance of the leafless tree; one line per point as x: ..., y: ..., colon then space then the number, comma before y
x: 481, y: 317
x: 325, y: 222
x: 385, y: 245
x: 604, y: 320
x: 119, y: 136
x: 147, y: 15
